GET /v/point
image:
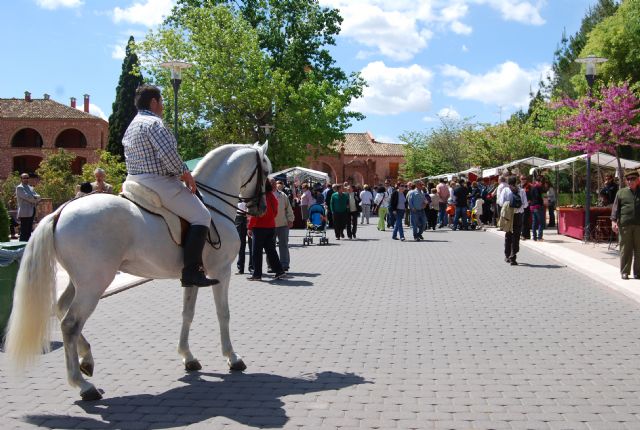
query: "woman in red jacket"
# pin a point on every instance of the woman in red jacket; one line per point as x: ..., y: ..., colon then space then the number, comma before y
x: 262, y: 231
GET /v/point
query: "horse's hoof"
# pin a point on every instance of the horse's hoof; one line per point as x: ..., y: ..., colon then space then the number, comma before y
x: 91, y: 395
x: 192, y: 366
x: 238, y: 366
x: 87, y: 368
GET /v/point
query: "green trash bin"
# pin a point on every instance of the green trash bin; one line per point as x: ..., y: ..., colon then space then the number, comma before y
x: 10, y: 254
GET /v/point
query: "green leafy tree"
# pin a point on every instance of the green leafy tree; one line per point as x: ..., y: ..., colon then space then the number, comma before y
x: 115, y: 170
x: 442, y: 150
x: 570, y: 49
x: 4, y: 222
x: 256, y: 64
x: 8, y: 190
x: 57, y: 182
x: 616, y: 38
x: 123, y: 109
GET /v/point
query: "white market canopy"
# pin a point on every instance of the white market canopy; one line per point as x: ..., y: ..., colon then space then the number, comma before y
x: 302, y: 174
x: 598, y: 159
x: 530, y: 161
x: 447, y: 176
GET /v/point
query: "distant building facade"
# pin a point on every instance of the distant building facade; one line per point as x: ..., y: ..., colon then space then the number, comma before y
x: 31, y: 128
x: 360, y: 159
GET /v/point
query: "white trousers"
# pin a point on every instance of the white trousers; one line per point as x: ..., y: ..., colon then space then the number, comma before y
x: 176, y: 197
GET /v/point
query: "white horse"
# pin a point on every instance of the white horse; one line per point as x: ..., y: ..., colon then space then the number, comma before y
x: 98, y: 235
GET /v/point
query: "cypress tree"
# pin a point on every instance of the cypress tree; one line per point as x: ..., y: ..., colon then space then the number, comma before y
x: 123, y: 109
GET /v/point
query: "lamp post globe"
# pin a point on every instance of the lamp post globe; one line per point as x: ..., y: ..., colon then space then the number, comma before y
x: 591, y: 62
x: 176, y: 68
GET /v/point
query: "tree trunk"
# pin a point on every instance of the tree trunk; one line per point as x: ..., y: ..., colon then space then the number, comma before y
x: 620, y: 172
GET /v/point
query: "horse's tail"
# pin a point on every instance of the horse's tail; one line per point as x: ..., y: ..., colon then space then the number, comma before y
x: 29, y: 326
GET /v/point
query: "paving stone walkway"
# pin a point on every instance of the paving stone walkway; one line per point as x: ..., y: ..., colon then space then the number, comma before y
x: 372, y: 333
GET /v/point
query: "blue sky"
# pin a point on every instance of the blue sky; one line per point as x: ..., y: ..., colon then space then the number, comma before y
x: 422, y: 58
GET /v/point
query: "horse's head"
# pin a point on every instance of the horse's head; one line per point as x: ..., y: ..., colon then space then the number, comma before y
x: 253, y: 189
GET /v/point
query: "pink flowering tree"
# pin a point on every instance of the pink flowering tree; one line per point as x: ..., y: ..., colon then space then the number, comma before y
x: 601, y: 123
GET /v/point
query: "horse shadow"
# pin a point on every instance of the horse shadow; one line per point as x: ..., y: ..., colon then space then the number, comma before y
x: 252, y: 399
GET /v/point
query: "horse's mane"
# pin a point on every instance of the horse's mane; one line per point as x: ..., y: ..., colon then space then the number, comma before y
x: 224, y: 151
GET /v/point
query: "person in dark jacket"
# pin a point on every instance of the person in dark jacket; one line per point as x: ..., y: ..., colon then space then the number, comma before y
x: 625, y: 220
x: 398, y: 205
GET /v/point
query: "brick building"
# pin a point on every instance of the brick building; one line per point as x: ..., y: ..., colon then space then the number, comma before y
x: 29, y: 128
x: 360, y: 159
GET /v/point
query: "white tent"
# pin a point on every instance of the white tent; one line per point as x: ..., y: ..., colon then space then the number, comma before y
x: 598, y: 159
x: 302, y: 174
x: 447, y: 176
x: 529, y: 161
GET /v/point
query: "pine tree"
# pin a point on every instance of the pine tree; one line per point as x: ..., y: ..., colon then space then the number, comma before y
x: 123, y: 109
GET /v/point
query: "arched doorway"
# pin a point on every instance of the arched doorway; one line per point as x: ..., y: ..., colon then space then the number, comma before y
x: 326, y: 168
x: 71, y: 138
x: 27, y: 138
x: 26, y: 163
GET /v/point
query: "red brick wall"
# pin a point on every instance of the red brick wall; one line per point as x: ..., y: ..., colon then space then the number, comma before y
x: 356, y: 167
x: 96, y: 132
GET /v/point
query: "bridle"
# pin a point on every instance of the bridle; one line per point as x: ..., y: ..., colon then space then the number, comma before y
x: 224, y: 196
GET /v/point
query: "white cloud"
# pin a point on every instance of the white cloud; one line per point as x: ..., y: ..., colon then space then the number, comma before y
x: 429, y: 119
x: 388, y: 139
x: 149, y: 13
x: 449, y: 113
x: 394, y: 90
x: 55, y: 4
x: 516, y: 10
x: 93, y: 110
x: 401, y: 29
x: 391, y: 33
x: 118, y: 52
x: 464, y: 48
x: 507, y: 84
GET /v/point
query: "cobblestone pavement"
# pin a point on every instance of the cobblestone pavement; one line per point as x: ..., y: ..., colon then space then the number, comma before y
x: 372, y: 333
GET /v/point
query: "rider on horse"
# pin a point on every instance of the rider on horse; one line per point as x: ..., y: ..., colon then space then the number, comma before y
x: 151, y: 154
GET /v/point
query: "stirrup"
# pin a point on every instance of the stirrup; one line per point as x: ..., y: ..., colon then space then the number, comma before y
x: 196, y: 278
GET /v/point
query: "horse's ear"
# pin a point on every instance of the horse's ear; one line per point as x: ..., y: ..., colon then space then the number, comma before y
x: 257, y: 144
x: 265, y: 147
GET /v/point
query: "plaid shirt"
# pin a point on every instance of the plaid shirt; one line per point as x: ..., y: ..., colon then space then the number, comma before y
x: 149, y: 147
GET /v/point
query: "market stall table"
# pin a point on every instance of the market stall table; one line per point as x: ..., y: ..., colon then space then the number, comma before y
x: 571, y: 220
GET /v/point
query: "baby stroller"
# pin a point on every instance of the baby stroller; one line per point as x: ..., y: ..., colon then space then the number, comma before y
x: 316, y: 225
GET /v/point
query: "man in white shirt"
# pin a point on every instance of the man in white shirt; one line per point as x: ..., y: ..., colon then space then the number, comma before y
x: 366, y: 199
x: 512, y: 236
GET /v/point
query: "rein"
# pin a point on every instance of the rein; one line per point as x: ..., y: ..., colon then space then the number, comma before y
x: 222, y: 196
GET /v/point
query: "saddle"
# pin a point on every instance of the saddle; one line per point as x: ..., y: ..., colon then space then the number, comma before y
x: 149, y: 200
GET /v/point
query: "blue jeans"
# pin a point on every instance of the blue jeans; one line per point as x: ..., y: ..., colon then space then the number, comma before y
x: 461, y: 212
x: 418, y: 222
x: 442, y: 214
x: 538, y: 222
x: 397, y: 227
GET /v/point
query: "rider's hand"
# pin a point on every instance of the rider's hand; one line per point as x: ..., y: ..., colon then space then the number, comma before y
x: 189, y: 181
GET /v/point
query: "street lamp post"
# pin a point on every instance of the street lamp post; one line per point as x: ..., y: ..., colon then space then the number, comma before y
x: 176, y: 79
x: 591, y: 61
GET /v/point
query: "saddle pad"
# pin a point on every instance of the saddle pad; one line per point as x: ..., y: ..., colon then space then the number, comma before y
x: 148, y: 199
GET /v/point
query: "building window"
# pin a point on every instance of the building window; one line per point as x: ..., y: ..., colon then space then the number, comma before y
x: 26, y: 163
x: 393, y: 170
x: 71, y: 138
x: 27, y: 138
x: 76, y: 166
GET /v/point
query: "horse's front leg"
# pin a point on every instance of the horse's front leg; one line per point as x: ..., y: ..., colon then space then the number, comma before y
x: 188, y: 311
x: 221, y: 296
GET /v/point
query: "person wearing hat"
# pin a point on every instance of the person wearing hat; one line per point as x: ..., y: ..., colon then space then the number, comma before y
x: 625, y: 220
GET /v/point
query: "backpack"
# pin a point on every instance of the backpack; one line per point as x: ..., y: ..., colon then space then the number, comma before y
x: 516, y: 200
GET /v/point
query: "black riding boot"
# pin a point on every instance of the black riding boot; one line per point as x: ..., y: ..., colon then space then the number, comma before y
x: 192, y: 273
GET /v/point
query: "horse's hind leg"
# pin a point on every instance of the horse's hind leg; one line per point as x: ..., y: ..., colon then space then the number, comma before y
x: 188, y: 311
x: 84, y: 349
x: 82, y: 305
x: 221, y: 297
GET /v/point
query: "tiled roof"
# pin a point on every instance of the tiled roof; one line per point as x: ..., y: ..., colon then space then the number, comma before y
x: 364, y: 144
x: 40, y: 109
